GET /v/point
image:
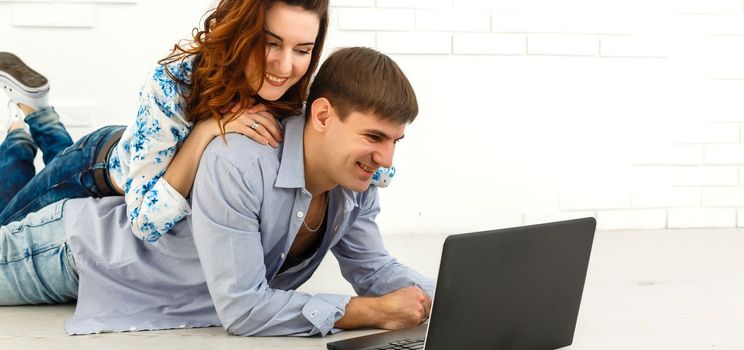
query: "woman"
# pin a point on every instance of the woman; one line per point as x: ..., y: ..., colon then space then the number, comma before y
x: 252, y: 61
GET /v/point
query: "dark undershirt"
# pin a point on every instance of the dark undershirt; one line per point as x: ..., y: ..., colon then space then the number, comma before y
x: 293, y: 261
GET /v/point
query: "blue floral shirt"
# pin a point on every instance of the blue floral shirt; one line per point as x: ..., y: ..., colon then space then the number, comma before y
x: 138, y: 162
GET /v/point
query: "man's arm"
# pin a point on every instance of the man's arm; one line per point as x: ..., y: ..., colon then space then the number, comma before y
x: 226, y: 206
x: 364, y: 261
x: 406, y: 307
x: 372, y: 271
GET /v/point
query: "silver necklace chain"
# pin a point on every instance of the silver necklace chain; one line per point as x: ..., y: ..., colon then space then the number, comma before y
x: 325, y: 203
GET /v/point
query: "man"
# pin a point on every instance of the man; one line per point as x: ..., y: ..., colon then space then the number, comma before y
x: 262, y: 221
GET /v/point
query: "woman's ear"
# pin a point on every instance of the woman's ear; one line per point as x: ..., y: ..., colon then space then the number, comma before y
x: 321, y: 113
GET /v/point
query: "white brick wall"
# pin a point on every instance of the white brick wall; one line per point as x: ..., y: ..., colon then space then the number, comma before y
x: 353, y: 3
x: 449, y: 21
x: 629, y: 111
x: 485, y: 4
x: 723, y: 197
x: 622, y: 46
x: 740, y: 218
x: 672, y: 155
x: 415, y: 43
x: 708, y: 6
x: 53, y: 15
x: 562, y: 45
x: 729, y: 154
x: 631, y: 219
x: 489, y: 44
x: 701, y: 217
x: 518, y: 22
x: 376, y: 19
x: 666, y: 197
x: 598, y: 198
x: 414, y: 4
x: 710, y: 134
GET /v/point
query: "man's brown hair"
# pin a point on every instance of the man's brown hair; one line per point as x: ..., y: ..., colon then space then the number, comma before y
x: 360, y: 79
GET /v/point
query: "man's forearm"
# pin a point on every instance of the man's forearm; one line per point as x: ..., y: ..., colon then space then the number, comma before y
x: 360, y: 313
x: 405, y: 307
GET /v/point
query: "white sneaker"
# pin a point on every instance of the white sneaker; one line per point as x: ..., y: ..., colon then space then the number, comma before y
x: 9, y: 115
x: 21, y: 83
x: 4, y: 117
x: 15, y: 115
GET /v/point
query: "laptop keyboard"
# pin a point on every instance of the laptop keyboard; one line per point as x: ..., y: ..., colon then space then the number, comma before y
x: 414, y: 344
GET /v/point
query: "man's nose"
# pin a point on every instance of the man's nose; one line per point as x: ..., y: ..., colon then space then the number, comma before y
x: 384, y: 155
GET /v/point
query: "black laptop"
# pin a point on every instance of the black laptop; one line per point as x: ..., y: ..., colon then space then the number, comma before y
x: 515, y: 288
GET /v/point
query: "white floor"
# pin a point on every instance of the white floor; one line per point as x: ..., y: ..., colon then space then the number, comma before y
x: 677, y: 289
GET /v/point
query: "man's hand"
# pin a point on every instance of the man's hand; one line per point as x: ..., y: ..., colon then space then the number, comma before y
x: 406, y: 307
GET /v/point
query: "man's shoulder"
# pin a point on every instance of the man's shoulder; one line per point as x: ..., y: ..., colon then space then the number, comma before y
x: 364, y: 200
x: 241, y: 151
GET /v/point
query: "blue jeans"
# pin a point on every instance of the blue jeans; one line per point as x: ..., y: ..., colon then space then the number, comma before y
x: 36, y: 264
x: 69, y: 171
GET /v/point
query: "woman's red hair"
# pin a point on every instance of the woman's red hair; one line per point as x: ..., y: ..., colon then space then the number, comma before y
x: 233, y: 38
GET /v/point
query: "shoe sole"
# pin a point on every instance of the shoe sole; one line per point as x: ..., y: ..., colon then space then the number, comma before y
x: 16, y: 74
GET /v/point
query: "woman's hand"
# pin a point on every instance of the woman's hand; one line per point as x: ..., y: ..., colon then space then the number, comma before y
x: 256, y: 123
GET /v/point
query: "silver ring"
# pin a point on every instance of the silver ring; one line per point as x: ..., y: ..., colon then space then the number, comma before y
x: 254, y: 125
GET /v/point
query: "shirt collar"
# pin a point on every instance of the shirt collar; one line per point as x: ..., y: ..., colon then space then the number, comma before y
x: 292, y: 164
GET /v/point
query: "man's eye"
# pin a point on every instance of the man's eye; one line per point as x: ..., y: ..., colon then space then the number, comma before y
x: 374, y: 138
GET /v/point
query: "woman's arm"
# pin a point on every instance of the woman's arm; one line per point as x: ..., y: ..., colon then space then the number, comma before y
x: 150, y: 150
x: 182, y: 169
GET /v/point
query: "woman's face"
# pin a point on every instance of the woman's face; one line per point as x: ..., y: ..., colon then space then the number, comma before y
x: 290, y: 37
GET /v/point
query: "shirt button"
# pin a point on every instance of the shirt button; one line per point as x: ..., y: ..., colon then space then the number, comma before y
x: 300, y: 214
x: 315, y: 312
x: 283, y: 256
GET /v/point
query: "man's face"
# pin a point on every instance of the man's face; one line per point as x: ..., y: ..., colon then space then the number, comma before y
x: 359, y: 145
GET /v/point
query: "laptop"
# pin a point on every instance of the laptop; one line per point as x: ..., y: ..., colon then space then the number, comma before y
x: 514, y: 288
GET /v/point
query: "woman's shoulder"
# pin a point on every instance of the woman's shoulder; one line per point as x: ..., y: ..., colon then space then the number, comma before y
x: 163, y: 76
x: 180, y: 68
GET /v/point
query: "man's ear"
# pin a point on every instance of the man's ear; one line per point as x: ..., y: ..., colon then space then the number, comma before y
x: 321, y: 113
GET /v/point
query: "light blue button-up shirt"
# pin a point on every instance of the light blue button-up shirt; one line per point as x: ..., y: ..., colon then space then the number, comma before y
x: 220, y: 266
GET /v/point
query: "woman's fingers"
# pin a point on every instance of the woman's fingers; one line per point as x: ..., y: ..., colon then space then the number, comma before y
x: 255, y: 124
x: 241, y: 128
x: 262, y: 130
x: 258, y: 108
x: 269, y: 123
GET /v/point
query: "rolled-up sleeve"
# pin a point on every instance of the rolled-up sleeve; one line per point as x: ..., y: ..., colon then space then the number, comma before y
x: 226, y: 207
x: 366, y: 264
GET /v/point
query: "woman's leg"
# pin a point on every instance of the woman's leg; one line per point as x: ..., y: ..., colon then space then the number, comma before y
x: 70, y: 171
x: 71, y: 174
x: 17, y: 154
x: 48, y: 132
x: 29, y: 90
x: 36, y: 264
